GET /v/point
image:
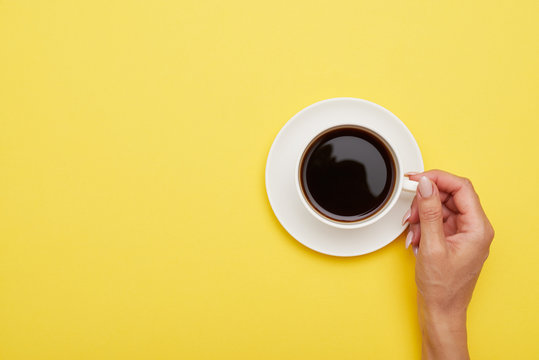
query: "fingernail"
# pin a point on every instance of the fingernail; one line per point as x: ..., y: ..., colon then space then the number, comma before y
x: 411, y: 173
x: 406, y: 216
x: 409, y: 238
x: 425, y: 187
x: 416, y: 249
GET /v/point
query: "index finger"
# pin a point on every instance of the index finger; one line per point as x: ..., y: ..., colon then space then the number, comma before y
x: 461, y: 189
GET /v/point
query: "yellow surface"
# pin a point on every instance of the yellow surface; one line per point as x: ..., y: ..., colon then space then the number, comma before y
x: 134, y: 222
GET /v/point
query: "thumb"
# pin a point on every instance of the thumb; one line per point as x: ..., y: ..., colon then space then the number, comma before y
x: 430, y: 214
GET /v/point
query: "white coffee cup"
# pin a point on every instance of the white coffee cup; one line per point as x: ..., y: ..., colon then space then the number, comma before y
x: 401, y: 185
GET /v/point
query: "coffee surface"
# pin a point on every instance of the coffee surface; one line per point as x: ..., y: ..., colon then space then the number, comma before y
x: 347, y: 174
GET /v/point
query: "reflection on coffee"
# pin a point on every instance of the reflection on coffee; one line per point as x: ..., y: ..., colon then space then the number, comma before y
x: 347, y: 173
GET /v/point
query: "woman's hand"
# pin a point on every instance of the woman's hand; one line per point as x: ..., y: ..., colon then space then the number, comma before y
x: 450, y: 235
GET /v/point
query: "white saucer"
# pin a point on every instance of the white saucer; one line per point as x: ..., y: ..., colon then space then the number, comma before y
x: 280, y: 176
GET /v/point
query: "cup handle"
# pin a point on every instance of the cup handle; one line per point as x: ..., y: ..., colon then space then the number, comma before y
x: 409, y: 185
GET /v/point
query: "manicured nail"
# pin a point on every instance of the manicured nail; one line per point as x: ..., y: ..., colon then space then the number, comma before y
x: 406, y: 216
x: 411, y: 173
x: 409, y: 238
x: 425, y: 187
x: 416, y: 249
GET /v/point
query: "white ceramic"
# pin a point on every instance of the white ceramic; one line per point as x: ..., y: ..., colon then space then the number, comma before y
x: 296, y: 215
x: 402, y: 183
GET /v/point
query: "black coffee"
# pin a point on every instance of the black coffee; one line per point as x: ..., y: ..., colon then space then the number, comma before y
x: 347, y: 173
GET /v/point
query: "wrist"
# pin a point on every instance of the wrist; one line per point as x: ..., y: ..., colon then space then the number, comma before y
x: 443, y: 322
x: 451, y: 318
x: 444, y: 333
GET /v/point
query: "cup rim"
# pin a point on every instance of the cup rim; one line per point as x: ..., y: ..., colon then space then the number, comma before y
x: 389, y: 202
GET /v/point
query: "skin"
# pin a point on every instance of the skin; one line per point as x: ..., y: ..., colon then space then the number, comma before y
x: 450, y: 235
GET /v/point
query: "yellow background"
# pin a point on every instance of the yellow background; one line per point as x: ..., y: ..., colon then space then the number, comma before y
x: 134, y: 222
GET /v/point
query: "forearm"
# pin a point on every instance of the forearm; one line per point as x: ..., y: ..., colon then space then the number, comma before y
x: 444, y: 334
